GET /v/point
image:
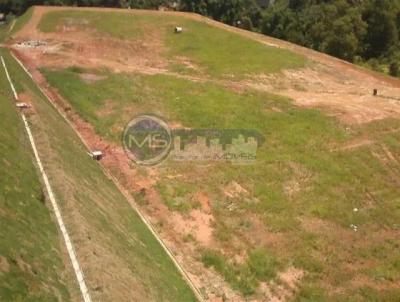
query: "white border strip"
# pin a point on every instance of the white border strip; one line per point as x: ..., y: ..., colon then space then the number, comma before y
x: 9, y: 79
x: 12, y: 25
x: 67, y: 240
x: 22, y: 65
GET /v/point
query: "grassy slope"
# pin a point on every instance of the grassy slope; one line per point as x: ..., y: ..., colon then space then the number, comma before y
x: 219, y: 52
x: 31, y: 267
x: 297, y: 150
x: 298, y: 143
x: 21, y: 21
x: 107, y: 219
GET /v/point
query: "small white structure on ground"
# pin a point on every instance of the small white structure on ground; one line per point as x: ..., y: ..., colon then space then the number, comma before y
x: 22, y: 105
x: 178, y: 29
x: 96, y: 154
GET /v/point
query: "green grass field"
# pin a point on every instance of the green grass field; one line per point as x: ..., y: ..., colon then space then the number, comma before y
x: 31, y: 266
x: 218, y: 52
x: 297, y: 150
x: 108, y: 221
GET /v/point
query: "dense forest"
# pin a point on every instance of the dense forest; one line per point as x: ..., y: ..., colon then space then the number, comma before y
x: 365, y: 32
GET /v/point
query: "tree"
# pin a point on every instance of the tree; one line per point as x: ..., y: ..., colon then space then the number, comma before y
x: 382, y: 32
x: 394, y: 69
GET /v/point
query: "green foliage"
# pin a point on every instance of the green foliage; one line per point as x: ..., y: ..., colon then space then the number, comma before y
x: 230, y: 12
x: 342, y: 28
x: 382, y: 32
x: 394, y: 69
x: 260, y: 266
x: 177, y: 196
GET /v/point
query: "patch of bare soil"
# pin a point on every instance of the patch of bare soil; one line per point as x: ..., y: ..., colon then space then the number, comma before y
x: 4, y: 265
x: 187, y: 63
x: 289, y: 280
x: 355, y: 144
x: 91, y: 78
x: 72, y: 45
x: 197, y: 224
x: 347, y: 96
x: 291, y: 276
x: 234, y: 189
x: 301, y: 177
x: 204, y: 201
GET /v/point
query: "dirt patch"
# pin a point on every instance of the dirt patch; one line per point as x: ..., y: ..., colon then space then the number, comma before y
x: 317, y: 226
x: 23, y: 266
x: 347, y: 96
x: 291, y: 277
x: 283, y: 292
x: 91, y: 78
x: 358, y: 143
x: 187, y: 63
x: 6, y: 162
x: 72, y: 46
x: 197, y: 224
x: 202, y: 198
x: 4, y: 265
x: 299, y: 181
x: 233, y: 190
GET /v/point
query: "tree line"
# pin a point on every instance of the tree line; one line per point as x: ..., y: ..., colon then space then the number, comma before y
x: 361, y: 31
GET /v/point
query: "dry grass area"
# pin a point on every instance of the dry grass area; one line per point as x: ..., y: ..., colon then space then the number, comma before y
x: 277, y: 231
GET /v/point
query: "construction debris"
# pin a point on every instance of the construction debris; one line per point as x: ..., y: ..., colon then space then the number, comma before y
x: 31, y: 44
x: 354, y: 227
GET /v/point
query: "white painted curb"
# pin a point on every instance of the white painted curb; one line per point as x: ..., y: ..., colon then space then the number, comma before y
x: 78, y: 272
x: 22, y: 65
